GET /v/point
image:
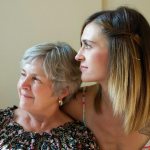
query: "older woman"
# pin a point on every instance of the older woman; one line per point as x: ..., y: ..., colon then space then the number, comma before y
x: 49, y: 76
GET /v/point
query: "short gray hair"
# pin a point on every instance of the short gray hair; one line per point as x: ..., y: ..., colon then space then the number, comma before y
x: 59, y: 65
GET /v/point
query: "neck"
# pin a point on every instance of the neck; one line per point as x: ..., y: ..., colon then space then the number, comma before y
x: 41, y: 123
x: 105, y: 98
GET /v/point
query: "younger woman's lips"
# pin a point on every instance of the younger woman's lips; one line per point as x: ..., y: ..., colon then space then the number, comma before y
x: 83, y: 68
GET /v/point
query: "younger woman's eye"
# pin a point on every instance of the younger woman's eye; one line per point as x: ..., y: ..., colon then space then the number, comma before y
x: 86, y: 45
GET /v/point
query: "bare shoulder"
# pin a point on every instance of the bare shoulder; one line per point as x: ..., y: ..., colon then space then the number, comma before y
x: 74, y: 107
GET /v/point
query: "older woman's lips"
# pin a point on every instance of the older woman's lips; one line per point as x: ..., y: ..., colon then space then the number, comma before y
x: 26, y: 96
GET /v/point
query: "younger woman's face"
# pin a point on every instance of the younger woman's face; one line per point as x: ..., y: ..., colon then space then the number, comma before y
x: 93, y: 54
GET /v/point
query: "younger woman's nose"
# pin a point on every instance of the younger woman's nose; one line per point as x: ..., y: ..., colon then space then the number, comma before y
x: 79, y: 56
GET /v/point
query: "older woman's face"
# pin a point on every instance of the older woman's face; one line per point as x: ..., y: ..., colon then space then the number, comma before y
x: 35, y: 90
x: 93, y: 54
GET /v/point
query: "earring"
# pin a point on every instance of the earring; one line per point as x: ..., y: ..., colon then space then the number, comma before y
x: 60, y: 101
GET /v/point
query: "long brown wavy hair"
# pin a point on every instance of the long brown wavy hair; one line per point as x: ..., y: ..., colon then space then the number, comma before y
x: 128, y: 33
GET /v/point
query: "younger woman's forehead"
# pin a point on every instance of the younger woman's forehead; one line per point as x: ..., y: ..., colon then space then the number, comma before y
x: 93, y: 33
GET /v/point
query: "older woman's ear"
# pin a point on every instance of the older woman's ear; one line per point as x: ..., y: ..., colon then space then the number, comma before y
x: 64, y: 93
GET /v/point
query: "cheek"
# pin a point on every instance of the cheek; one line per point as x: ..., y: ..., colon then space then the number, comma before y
x: 18, y: 84
x: 97, y: 59
x: 39, y: 90
x: 19, y: 88
x: 100, y: 61
x: 41, y: 93
x: 104, y: 60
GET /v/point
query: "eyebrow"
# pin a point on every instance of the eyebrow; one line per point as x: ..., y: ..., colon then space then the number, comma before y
x: 34, y: 74
x: 85, y: 41
x: 22, y: 70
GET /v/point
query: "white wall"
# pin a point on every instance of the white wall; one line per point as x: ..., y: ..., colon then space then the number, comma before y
x: 141, y: 5
x: 24, y: 23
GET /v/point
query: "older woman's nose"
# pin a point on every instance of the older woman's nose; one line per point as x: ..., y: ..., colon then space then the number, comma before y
x: 26, y: 83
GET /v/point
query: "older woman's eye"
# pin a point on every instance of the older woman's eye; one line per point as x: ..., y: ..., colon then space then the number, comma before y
x: 36, y: 79
x: 23, y: 74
